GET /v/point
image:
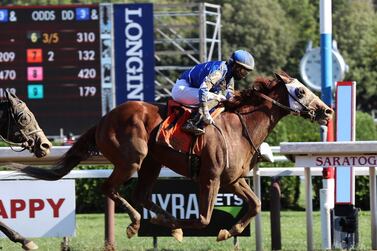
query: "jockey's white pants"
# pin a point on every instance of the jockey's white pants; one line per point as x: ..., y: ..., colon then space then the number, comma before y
x: 184, y: 94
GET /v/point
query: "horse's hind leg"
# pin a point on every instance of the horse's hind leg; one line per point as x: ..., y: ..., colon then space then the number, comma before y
x: 16, y: 237
x: 243, y: 190
x: 147, y: 177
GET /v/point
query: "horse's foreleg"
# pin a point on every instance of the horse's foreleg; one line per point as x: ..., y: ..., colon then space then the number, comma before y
x: 208, y: 190
x: 134, y: 215
x: 147, y: 177
x: 243, y: 190
x: 125, y: 165
x: 16, y: 237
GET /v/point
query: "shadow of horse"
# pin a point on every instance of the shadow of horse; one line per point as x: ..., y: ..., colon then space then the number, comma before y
x: 18, y: 127
x: 126, y: 137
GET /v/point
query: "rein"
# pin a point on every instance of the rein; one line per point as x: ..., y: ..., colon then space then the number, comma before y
x: 306, y: 110
x: 259, y: 155
x: 273, y: 101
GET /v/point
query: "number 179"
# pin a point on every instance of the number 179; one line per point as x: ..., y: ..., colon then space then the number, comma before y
x: 86, y: 91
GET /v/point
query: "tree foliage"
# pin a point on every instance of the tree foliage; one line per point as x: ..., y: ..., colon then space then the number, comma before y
x: 248, y: 25
x: 355, y: 29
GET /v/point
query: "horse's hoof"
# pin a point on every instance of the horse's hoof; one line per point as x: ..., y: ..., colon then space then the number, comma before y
x: 131, y: 231
x: 223, y: 235
x: 30, y: 246
x: 177, y: 234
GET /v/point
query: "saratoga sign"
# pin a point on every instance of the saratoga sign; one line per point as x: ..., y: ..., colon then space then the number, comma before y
x: 336, y: 160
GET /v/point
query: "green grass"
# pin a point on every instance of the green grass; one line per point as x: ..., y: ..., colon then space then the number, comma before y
x: 90, y: 236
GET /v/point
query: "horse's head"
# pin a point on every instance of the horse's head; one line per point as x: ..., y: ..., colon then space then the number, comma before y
x: 19, y: 127
x: 303, y: 101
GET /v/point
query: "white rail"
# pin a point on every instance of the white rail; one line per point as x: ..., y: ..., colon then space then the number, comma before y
x: 7, y: 155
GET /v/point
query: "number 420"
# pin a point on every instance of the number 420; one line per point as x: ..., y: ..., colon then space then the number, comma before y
x: 87, y: 91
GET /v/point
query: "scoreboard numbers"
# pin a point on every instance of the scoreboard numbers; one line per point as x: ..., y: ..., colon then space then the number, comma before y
x: 50, y: 57
x: 7, y: 56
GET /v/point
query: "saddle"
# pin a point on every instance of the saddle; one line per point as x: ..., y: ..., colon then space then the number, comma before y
x: 170, y: 133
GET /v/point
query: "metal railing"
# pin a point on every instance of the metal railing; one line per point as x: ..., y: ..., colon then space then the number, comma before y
x: 7, y: 155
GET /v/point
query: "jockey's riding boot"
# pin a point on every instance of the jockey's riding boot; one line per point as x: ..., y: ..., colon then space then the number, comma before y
x: 193, y: 125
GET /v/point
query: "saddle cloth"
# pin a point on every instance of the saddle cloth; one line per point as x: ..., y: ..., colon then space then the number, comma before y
x: 171, y: 134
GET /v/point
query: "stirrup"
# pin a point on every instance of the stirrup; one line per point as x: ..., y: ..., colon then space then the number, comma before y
x: 191, y: 128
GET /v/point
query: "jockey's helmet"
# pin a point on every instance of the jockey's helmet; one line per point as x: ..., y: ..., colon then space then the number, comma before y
x: 243, y: 58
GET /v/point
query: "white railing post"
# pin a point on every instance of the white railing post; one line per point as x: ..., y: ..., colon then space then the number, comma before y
x: 373, y: 206
x: 258, y: 218
x: 325, y: 218
x: 309, y: 209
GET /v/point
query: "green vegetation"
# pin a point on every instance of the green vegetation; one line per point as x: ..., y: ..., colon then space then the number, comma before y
x: 90, y: 236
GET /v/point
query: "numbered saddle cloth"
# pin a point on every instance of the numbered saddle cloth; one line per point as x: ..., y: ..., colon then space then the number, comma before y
x: 171, y: 134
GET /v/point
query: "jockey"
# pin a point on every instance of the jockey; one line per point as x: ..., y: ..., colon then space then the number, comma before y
x: 206, y: 84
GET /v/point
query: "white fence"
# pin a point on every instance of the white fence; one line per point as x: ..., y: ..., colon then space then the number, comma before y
x: 7, y: 155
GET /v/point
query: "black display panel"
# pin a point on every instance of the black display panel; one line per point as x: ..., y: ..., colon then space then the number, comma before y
x: 50, y: 58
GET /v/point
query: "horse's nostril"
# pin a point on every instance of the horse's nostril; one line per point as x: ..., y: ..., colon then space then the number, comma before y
x: 45, y: 146
x: 329, y: 111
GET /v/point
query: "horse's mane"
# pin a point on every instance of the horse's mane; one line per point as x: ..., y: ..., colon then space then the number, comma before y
x: 247, y: 96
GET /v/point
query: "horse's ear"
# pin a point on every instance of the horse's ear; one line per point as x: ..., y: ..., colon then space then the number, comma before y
x: 12, y: 98
x: 283, y: 77
x: 8, y: 95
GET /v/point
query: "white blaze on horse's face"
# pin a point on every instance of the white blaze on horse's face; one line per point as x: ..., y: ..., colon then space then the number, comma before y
x: 304, y: 100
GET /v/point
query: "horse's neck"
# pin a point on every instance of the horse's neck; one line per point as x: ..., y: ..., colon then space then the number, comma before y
x: 261, y: 124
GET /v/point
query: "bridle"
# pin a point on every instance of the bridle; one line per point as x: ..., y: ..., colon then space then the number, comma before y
x: 28, y: 141
x: 305, y: 112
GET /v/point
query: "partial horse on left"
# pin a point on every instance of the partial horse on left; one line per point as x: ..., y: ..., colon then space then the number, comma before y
x: 18, y: 127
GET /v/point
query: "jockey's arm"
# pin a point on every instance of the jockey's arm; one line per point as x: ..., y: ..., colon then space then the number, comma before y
x: 230, y: 89
x: 204, y: 90
x: 205, y: 95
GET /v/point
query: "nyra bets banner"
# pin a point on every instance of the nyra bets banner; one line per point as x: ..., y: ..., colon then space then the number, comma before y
x: 134, y: 52
x: 37, y: 208
x: 180, y: 198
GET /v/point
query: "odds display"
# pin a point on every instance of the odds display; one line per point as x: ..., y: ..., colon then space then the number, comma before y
x: 50, y: 56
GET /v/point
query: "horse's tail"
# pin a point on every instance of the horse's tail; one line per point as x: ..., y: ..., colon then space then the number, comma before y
x: 80, y: 151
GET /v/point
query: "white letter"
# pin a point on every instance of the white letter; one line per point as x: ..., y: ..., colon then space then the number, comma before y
x: 177, y: 204
x: 192, y: 206
x: 128, y: 12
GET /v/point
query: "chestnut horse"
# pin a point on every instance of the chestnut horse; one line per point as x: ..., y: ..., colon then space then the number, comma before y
x: 18, y: 127
x: 126, y: 137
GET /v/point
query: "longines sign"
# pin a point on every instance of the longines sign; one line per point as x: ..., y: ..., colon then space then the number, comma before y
x: 336, y: 160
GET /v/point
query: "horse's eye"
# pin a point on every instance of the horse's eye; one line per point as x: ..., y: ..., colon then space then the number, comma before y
x: 24, y: 119
x: 300, y: 92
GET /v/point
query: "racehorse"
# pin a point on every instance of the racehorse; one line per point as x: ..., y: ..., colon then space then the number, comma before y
x: 126, y: 137
x: 18, y: 127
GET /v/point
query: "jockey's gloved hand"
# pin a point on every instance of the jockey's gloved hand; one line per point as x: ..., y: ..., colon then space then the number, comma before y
x: 206, y: 116
x: 220, y: 97
x: 207, y: 119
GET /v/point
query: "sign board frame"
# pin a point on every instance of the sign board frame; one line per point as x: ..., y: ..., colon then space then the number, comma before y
x: 36, y: 208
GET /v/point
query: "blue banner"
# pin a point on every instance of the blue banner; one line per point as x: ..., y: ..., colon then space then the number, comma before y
x: 134, y: 52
